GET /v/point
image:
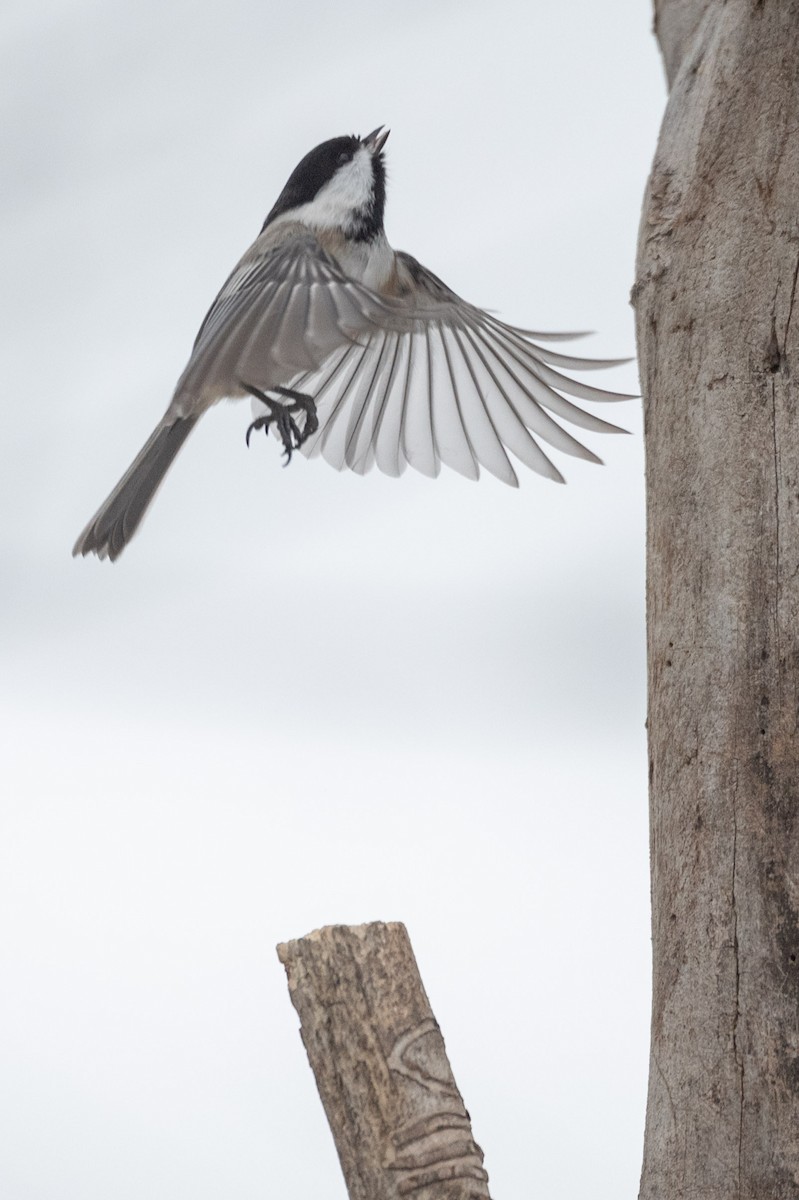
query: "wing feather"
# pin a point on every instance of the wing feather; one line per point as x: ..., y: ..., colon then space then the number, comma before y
x: 449, y: 432
x: 541, y: 393
x: 417, y: 425
x: 480, y: 429
x: 571, y: 363
x: 510, y: 428
x: 530, y: 413
x: 336, y: 403
x: 574, y: 387
x: 388, y: 434
x: 361, y: 430
x: 340, y: 424
x: 380, y: 401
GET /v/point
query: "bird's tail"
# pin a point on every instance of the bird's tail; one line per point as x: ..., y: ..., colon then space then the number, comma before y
x: 116, y: 521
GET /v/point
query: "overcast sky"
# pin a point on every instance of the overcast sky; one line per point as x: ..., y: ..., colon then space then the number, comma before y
x: 301, y: 697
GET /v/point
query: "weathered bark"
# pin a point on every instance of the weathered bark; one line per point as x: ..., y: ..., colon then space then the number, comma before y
x: 676, y: 24
x: 396, y: 1115
x: 718, y: 343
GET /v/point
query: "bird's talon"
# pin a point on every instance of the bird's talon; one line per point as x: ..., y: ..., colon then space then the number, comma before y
x: 258, y: 423
x: 291, y: 435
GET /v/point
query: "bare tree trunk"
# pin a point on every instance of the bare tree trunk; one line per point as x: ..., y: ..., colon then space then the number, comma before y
x: 719, y: 350
x: 393, y: 1106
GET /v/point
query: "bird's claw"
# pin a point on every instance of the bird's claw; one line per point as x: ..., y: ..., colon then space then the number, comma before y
x: 305, y: 404
x: 257, y: 424
x: 280, y: 414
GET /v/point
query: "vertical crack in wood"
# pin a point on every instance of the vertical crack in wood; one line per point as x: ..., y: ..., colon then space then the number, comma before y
x: 790, y: 306
x: 736, y: 1049
x: 778, y: 529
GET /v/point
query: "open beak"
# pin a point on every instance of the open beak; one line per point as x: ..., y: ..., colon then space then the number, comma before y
x: 376, y: 140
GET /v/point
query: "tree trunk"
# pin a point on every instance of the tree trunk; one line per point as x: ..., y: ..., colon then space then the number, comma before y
x: 718, y: 343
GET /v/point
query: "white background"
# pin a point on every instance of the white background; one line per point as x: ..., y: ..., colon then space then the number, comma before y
x: 302, y: 697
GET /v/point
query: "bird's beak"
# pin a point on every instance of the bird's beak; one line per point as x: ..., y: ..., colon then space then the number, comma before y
x: 376, y: 140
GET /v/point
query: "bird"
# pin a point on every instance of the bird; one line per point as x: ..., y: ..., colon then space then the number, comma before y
x: 356, y: 352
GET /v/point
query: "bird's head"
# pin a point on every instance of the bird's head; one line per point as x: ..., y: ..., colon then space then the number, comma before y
x: 339, y: 185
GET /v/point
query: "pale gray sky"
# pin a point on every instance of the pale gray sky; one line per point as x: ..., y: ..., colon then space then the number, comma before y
x: 303, y: 697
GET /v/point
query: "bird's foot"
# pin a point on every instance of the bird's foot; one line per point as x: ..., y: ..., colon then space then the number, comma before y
x: 282, y: 416
x: 302, y: 403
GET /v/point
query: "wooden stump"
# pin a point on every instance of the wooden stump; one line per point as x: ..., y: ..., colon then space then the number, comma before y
x: 397, y: 1117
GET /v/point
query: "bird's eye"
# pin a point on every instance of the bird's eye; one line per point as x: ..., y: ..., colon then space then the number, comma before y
x: 345, y: 156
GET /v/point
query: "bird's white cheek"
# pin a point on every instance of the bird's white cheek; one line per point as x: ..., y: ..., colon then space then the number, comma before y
x: 348, y: 192
x: 351, y: 188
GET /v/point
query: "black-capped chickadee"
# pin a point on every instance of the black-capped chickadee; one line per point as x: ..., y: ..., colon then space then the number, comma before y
x: 357, y: 352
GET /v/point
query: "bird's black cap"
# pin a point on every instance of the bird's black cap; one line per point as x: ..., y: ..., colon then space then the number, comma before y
x: 318, y: 167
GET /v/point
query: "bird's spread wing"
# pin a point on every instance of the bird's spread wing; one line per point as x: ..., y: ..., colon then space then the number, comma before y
x: 417, y: 376
x: 285, y: 308
x: 435, y: 380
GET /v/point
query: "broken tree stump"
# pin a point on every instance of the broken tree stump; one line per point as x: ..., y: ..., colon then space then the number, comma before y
x: 394, y: 1109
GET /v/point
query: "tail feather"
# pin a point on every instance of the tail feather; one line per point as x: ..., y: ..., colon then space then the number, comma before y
x: 116, y: 521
